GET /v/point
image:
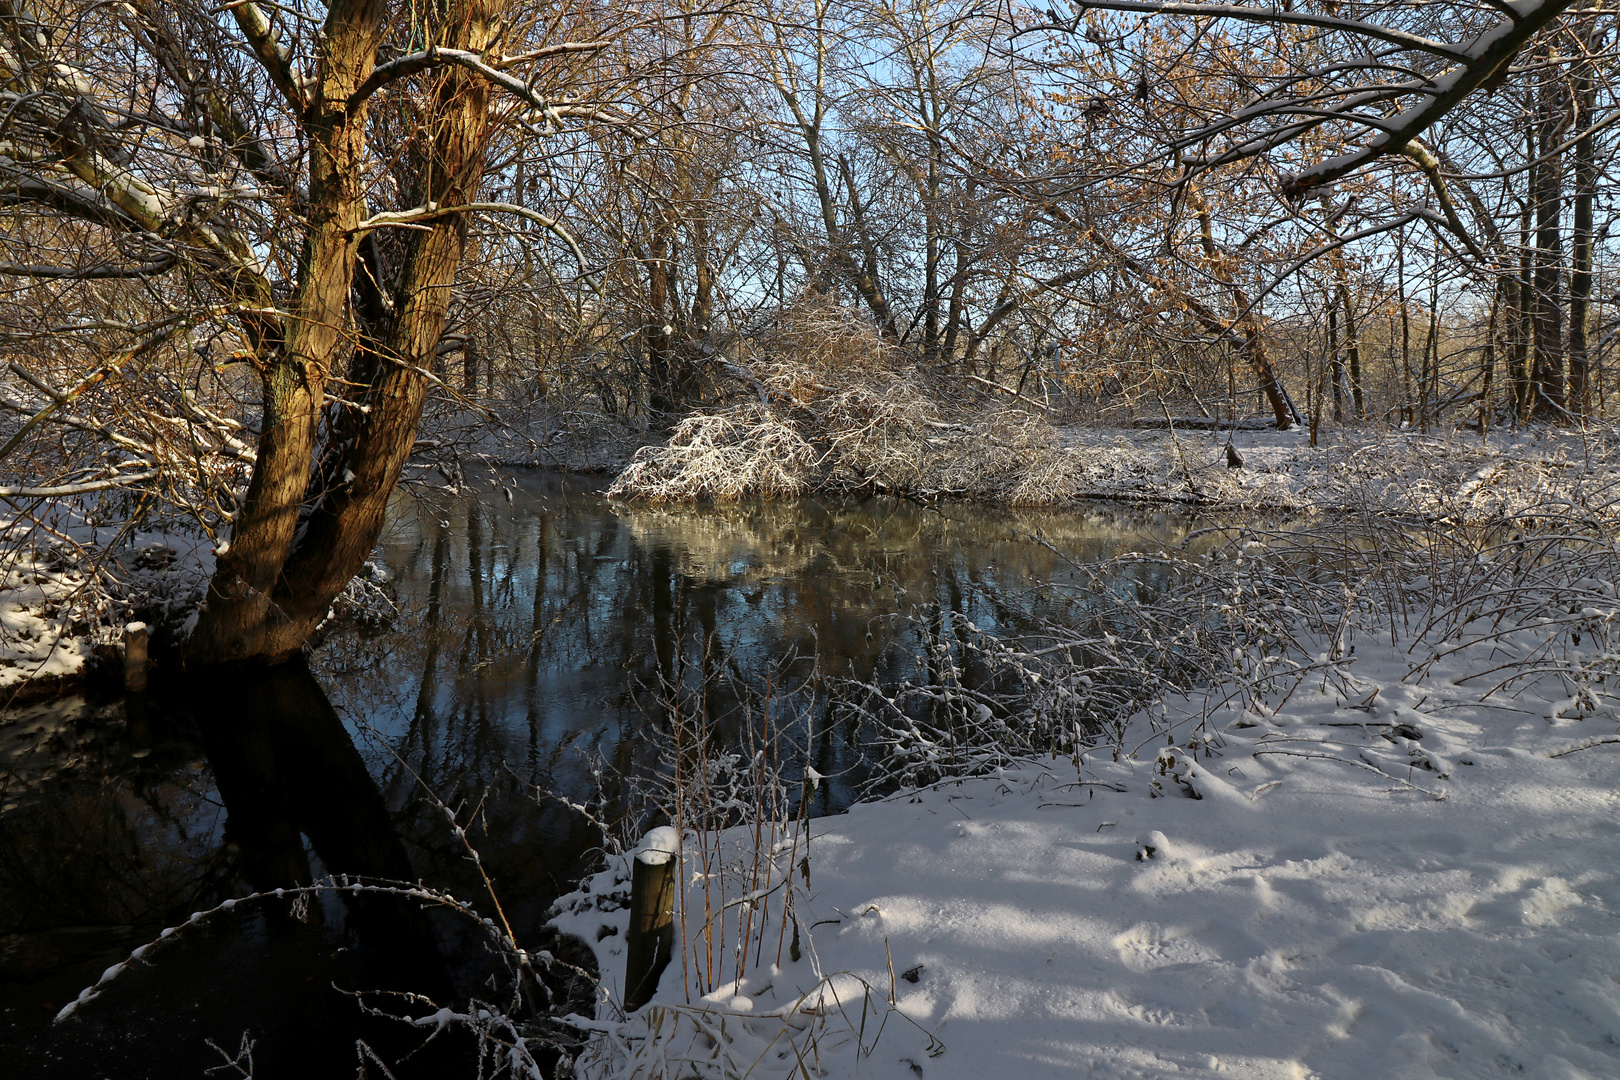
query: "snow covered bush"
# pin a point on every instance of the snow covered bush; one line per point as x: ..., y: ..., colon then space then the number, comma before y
x: 745, y: 452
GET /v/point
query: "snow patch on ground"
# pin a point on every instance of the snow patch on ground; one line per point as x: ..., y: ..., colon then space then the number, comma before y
x: 1409, y: 880
x: 37, y: 636
x: 70, y: 588
x: 1455, y: 476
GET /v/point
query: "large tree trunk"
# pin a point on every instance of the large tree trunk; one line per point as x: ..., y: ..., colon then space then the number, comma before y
x: 239, y: 613
x: 270, y: 591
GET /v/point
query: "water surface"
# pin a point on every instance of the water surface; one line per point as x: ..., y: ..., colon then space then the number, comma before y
x: 533, y: 634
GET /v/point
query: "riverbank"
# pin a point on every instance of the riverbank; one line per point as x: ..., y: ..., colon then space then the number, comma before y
x: 67, y: 591
x: 62, y: 596
x: 1356, y: 665
x: 1402, y: 862
x: 1012, y: 458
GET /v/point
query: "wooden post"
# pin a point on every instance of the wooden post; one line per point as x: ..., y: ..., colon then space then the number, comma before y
x: 135, y: 657
x: 651, y: 939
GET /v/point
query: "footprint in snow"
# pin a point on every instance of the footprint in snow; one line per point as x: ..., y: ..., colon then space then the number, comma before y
x: 1148, y: 946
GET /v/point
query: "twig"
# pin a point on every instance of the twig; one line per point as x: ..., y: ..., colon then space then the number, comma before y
x: 1602, y: 740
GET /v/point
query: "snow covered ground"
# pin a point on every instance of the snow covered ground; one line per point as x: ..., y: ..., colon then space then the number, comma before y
x: 66, y: 589
x: 1400, y: 873
x: 1451, y: 475
x: 36, y: 638
x: 1010, y: 458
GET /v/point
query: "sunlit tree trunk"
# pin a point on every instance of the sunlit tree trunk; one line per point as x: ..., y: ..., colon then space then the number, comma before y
x: 283, y: 568
x: 240, y: 617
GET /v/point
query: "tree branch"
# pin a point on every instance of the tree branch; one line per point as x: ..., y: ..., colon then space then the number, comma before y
x: 412, y: 63
x: 1266, y: 16
x: 99, y: 272
x: 1471, y: 66
x: 419, y: 216
x: 261, y: 37
x: 1485, y: 56
x: 19, y: 189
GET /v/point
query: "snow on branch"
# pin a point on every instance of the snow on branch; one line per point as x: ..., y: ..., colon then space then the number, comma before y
x: 61, y: 491
x: 1486, y: 55
x: 1270, y: 16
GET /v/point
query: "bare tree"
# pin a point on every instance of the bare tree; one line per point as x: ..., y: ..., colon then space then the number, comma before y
x: 299, y: 178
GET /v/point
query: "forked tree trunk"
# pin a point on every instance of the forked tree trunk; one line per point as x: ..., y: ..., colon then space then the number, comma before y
x: 292, y: 550
x: 239, y: 610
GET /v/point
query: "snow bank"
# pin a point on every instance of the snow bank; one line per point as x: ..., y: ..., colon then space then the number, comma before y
x: 69, y: 588
x: 37, y: 637
x: 1393, y: 874
x: 1008, y: 457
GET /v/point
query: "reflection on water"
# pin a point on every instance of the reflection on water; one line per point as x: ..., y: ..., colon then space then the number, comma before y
x: 252, y: 783
x: 535, y: 628
x: 536, y: 625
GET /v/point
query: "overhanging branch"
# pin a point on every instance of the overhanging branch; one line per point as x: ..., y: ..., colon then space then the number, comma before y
x: 99, y: 272
x: 1471, y: 65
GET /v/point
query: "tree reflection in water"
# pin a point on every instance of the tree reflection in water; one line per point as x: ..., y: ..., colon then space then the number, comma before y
x: 121, y: 842
x: 539, y: 633
x: 533, y: 636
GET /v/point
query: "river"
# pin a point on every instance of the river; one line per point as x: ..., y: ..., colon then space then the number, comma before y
x: 525, y: 640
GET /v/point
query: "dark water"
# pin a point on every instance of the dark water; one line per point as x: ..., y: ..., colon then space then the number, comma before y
x: 535, y: 633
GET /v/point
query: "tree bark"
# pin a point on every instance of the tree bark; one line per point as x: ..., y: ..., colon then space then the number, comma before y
x: 1580, y: 277
x: 239, y: 614
x: 1546, y: 179
x: 269, y: 593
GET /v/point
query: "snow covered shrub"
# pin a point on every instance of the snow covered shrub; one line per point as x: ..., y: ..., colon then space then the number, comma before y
x: 755, y: 1030
x: 865, y: 436
x: 1543, y: 592
x: 730, y: 455
x: 829, y: 406
x: 818, y: 337
x: 746, y: 994
x: 1248, y: 614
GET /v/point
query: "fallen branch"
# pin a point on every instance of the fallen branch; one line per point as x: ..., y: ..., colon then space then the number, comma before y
x: 1438, y: 796
x: 1010, y: 392
x: 1602, y: 740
